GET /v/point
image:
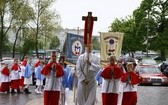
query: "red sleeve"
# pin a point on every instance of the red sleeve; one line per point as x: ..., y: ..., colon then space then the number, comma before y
x: 135, y: 78
x: 106, y: 73
x: 124, y: 77
x: 59, y: 71
x: 117, y: 72
x: 24, y: 63
x: 46, y: 70
x: 37, y: 64
x: 5, y: 71
x: 14, y: 67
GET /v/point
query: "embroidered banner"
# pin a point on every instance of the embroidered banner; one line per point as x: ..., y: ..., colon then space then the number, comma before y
x: 111, y: 44
x: 74, y: 47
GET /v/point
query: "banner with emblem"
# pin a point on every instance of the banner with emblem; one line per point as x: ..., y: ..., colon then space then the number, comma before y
x: 74, y: 46
x: 111, y: 44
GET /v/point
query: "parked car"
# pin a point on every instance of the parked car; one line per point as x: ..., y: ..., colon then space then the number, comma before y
x: 148, y: 62
x: 163, y: 65
x: 151, y: 75
x: 10, y: 62
x: 158, y: 58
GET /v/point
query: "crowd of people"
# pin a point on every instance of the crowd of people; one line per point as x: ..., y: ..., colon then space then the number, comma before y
x: 118, y: 82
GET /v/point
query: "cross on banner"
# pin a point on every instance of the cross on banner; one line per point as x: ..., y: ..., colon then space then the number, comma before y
x: 89, y: 20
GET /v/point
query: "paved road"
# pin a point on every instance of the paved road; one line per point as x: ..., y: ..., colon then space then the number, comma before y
x: 147, y: 95
x: 18, y: 99
x: 152, y: 95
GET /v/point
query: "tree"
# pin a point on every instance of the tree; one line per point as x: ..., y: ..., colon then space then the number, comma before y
x: 4, y: 19
x: 54, y: 42
x: 28, y: 43
x: 127, y: 26
x: 96, y: 43
x: 154, y: 13
x: 45, y: 21
x: 20, y: 12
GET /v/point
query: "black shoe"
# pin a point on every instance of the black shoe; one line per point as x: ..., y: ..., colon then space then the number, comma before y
x: 13, y: 91
x: 27, y: 91
x: 19, y: 92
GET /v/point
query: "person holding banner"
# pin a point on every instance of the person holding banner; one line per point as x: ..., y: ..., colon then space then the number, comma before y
x: 111, y: 82
x: 87, y: 70
x: 53, y: 73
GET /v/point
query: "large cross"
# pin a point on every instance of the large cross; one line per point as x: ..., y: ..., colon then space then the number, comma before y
x: 89, y: 20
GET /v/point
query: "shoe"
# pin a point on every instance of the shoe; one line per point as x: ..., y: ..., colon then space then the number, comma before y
x: 27, y: 91
x: 19, y: 92
x: 37, y: 91
x: 41, y: 92
x: 13, y: 91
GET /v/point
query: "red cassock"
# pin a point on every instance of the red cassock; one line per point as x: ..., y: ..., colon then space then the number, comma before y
x: 5, y: 85
x: 135, y: 79
x: 59, y: 70
x: 110, y: 98
x: 24, y: 63
x: 37, y: 64
x: 107, y: 73
x: 130, y: 97
x: 88, y: 30
x: 5, y: 71
x: 52, y: 97
x: 15, y: 83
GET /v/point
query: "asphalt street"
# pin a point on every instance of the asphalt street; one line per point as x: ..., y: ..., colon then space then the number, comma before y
x: 147, y: 95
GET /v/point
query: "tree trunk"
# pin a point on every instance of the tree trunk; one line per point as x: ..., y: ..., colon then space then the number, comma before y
x: 14, y: 45
x: 24, y: 54
x: 36, y: 44
x: 1, y: 46
x: 1, y: 37
x: 163, y: 55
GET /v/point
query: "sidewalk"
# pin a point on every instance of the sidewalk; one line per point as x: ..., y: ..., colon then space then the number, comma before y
x: 70, y: 99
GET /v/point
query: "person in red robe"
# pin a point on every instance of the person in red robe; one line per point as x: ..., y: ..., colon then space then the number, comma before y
x: 130, y: 83
x: 23, y: 66
x: 53, y: 73
x: 5, y: 79
x: 15, y: 77
x: 111, y: 82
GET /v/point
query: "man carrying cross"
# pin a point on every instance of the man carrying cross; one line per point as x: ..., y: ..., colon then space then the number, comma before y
x: 88, y: 64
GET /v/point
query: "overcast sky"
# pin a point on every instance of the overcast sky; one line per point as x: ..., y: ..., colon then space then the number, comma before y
x: 71, y: 12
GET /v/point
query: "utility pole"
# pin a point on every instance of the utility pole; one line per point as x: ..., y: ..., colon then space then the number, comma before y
x: 78, y: 31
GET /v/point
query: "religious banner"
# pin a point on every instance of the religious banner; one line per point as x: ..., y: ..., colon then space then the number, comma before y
x: 74, y: 46
x: 111, y: 44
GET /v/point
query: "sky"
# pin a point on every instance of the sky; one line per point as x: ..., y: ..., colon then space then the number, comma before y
x: 106, y: 11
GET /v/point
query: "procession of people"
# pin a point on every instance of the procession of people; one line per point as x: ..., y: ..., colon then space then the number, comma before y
x: 118, y: 82
x: 117, y: 85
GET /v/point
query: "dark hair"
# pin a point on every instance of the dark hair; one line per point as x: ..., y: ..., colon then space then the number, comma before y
x: 62, y: 57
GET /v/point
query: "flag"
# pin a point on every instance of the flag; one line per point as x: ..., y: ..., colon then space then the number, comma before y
x: 74, y: 46
x: 111, y: 44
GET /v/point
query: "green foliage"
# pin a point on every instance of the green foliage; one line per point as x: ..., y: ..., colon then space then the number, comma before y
x: 128, y: 27
x: 7, y: 45
x: 146, y: 29
x: 54, y: 42
x: 96, y: 43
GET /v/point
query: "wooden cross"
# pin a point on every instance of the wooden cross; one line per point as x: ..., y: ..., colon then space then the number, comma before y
x: 89, y: 20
